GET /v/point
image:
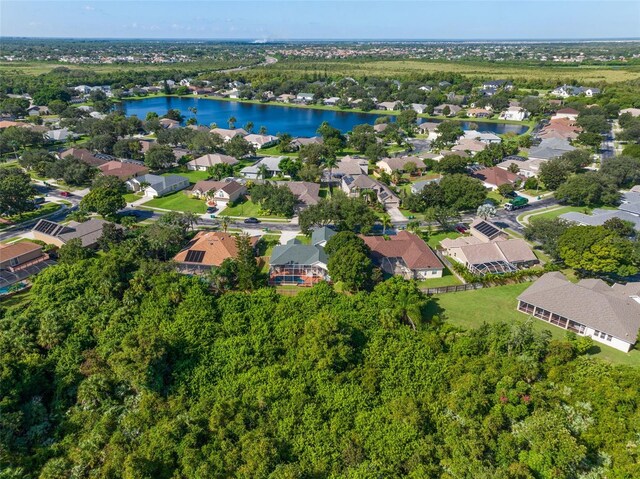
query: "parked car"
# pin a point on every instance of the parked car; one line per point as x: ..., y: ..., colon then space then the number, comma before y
x: 212, y: 209
x: 461, y: 229
x: 65, y: 193
x: 251, y: 220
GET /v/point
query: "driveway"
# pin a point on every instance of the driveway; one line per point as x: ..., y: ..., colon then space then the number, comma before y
x: 396, y: 215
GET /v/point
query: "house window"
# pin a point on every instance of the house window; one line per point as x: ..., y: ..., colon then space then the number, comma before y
x: 609, y: 337
x: 13, y: 261
x: 576, y: 327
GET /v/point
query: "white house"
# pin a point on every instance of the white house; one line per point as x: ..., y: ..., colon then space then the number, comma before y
x: 228, y: 134
x: 304, y: 97
x: 419, y: 108
x: 272, y: 164
x: 514, y: 113
x: 155, y: 186
x: 261, y: 141
x: 483, y: 136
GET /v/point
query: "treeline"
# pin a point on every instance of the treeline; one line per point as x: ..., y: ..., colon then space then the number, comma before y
x: 119, y: 367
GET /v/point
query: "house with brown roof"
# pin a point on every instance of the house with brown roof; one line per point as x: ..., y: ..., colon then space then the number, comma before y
x: 19, y: 261
x: 569, y: 113
x: 204, y: 162
x: 83, y: 155
x: 299, y: 142
x: 169, y: 124
x: 399, y: 163
x: 308, y: 193
x: 607, y: 314
x: 261, y: 141
x: 208, y: 249
x: 356, y: 185
x: 404, y: 254
x: 123, y: 170
x: 453, y: 109
x: 479, y: 113
x: 220, y: 191
x: 469, y: 145
x: 493, y: 177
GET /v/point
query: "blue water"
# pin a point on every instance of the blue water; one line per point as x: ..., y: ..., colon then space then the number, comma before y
x: 277, y: 119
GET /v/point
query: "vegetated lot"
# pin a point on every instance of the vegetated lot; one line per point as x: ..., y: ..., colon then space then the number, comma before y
x: 246, y: 209
x: 400, y: 68
x: 178, y: 201
x: 45, y: 209
x: 470, y: 309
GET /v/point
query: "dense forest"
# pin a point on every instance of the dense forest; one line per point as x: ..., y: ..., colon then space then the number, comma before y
x: 118, y: 367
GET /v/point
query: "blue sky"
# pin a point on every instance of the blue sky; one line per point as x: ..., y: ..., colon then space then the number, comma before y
x: 322, y: 19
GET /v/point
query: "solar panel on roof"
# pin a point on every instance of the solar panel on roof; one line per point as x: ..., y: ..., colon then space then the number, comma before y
x: 194, y: 256
x: 46, y: 227
x: 487, y: 229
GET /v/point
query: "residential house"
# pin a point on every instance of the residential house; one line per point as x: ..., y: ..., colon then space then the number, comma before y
x: 569, y: 113
x: 299, y: 142
x: 444, y: 84
x: 155, y: 186
x: 418, y: 186
x: 287, y: 98
x: 169, y: 124
x: 608, y: 314
x: 83, y: 155
x: 228, y: 134
x: 123, y: 170
x: 628, y: 210
x: 304, y: 97
x: 419, y: 108
x: 36, y: 110
x: 399, y: 163
x: 224, y: 192
x: 351, y: 165
x: 299, y: 264
x: 19, y: 261
x: 261, y: 141
x: 331, y: 101
x: 427, y: 88
x: 496, y: 84
x: 271, y: 163
x: 527, y: 168
x: 8, y: 124
x: 307, y: 193
x: 61, y: 134
x: 321, y: 236
x: 89, y: 232
x: 562, y: 128
x: 380, y: 127
x: 550, y: 148
x: 404, y: 254
x: 355, y: 186
x: 440, y: 109
x: 204, y: 162
x: 565, y: 91
x: 479, y: 113
x: 429, y: 129
x: 472, y: 146
x: 631, y: 111
x: 494, y: 177
x: 389, y: 105
x: 514, y: 113
x: 208, y: 249
x: 488, y: 250
x: 483, y: 136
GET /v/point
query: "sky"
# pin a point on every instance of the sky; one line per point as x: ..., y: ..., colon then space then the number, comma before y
x: 322, y: 19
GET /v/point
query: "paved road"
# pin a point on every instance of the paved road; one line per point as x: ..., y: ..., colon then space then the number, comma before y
x: 507, y: 219
x: 607, y: 149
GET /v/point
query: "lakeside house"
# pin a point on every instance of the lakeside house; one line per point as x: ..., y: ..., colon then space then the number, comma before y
x: 608, y: 314
x: 261, y: 141
x: 227, y: 134
x: 514, y: 113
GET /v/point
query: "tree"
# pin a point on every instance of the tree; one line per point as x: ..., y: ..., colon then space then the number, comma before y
x: 624, y: 170
x: 112, y: 235
x: 553, y: 173
x: 622, y: 228
x: 506, y: 189
x: 352, y: 268
x: 486, y: 211
x: 72, y: 170
x: 220, y: 171
x: 249, y: 126
x: 362, y: 137
x: 247, y: 267
x: 262, y: 130
x: 289, y: 166
x: 131, y: 149
x: 407, y: 120
x: 72, y: 252
x: 278, y: 200
x: 238, y: 147
x: 594, y: 140
x: 284, y: 143
x: 588, y: 189
x: 344, y: 239
x: 445, y: 216
x: 332, y: 137
x: 232, y: 122
x: 159, y: 157
x: 330, y: 163
x: 194, y: 110
x: 452, y: 164
x: 462, y: 192
x: 513, y: 168
x: 598, y: 250
x: 106, y: 196
x: 375, y: 152
x: 174, y: 114
x: 16, y: 191
x: 448, y: 133
x: 348, y: 214
x: 314, y: 154
x: 547, y: 232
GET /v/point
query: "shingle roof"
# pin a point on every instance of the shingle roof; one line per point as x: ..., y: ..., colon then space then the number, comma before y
x: 323, y: 234
x: 294, y: 253
x: 122, y: 169
x: 589, y: 302
x: 15, y: 250
x: 415, y: 253
x: 495, y: 176
x: 213, y: 159
x: 216, y: 246
x: 84, y: 155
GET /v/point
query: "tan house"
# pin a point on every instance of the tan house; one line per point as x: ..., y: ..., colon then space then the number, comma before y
x: 83, y: 155
x: 19, y: 255
x: 220, y: 191
x: 204, y: 162
x: 123, y: 170
x: 58, y: 234
x: 494, y: 177
x: 208, y: 249
x: 389, y: 165
x: 227, y: 134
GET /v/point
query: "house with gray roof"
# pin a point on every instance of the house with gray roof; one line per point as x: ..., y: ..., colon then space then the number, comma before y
x: 550, y: 148
x: 608, y: 314
x: 628, y: 210
x: 154, y: 186
x: 299, y: 264
x: 89, y: 232
x: 271, y: 163
x: 355, y: 185
x: 320, y: 236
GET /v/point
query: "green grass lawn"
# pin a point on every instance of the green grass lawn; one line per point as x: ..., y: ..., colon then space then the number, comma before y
x: 45, y: 209
x: 246, y: 209
x: 497, y: 197
x: 178, y: 201
x: 436, y: 237
x: 448, y: 279
x: 470, y: 309
x: 193, y: 176
x: 131, y: 197
x: 560, y: 211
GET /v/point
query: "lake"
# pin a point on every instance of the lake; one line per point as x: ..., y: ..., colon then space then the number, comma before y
x: 277, y: 119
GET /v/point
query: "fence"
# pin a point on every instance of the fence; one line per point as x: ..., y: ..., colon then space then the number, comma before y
x: 453, y: 289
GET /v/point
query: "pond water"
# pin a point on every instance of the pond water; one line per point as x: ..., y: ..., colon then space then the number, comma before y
x: 277, y: 119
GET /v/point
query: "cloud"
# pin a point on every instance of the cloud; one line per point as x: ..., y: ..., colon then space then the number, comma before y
x: 88, y: 8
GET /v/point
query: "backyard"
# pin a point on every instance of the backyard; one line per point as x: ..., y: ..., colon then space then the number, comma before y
x: 178, y: 201
x: 193, y: 176
x: 448, y: 279
x: 247, y: 209
x: 470, y: 309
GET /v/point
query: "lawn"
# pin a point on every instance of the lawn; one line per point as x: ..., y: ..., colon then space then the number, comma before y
x: 448, y: 279
x: 45, y: 209
x: 435, y: 238
x: 178, y: 201
x: 497, y: 197
x: 554, y: 213
x: 246, y: 209
x: 193, y: 176
x: 470, y: 309
x: 131, y: 197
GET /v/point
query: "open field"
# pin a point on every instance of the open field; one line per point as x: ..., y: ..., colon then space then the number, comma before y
x: 404, y: 68
x: 470, y: 309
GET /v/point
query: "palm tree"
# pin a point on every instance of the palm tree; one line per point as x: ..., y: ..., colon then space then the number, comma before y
x: 262, y: 130
x: 191, y: 219
x: 385, y: 219
x: 263, y: 171
x: 330, y: 163
x: 249, y: 126
x: 194, y: 110
x: 224, y: 221
x: 232, y: 122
